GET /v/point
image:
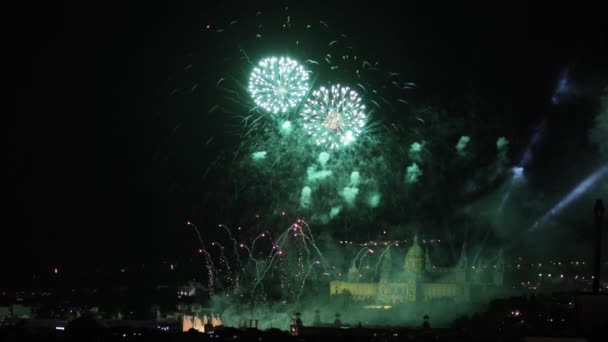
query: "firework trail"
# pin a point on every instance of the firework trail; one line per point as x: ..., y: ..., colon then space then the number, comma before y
x: 326, y: 264
x: 208, y: 260
x: 251, y: 258
x: 278, y: 248
x: 386, y: 250
x: 234, y: 244
x: 210, y: 272
x: 358, y: 254
x: 233, y: 279
x: 316, y: 262
x: 198, y: 233
x: 369, y: 251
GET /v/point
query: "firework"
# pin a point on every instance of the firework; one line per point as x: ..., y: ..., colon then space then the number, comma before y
x: 334, y: 117
x: 278, y: 84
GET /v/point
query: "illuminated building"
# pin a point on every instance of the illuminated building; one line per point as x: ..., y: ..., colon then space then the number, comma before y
x: 419, y: 280
x: 204, y: 324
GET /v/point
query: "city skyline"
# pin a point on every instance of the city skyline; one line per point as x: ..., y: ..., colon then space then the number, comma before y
x: 266, y: 155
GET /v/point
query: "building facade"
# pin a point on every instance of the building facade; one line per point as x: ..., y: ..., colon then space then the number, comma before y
x: 419, y: 280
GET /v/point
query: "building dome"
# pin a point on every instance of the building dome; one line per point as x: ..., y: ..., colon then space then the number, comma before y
x: 414, y: 259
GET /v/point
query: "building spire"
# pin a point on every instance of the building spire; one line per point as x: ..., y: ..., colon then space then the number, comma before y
x: 387, y: 265
x: 427, y: 260
x: 499, y: 268
x: 353, y: 274
x: 500, y: 261
x: 463, y: 262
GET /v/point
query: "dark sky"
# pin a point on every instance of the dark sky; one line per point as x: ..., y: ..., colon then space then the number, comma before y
x: 90, y: 110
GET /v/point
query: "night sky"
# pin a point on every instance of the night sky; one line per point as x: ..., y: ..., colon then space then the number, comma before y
x: 97, y: 173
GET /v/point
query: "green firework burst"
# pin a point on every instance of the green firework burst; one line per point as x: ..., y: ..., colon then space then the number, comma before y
x: 334, y: 117
x: 278, y: 84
